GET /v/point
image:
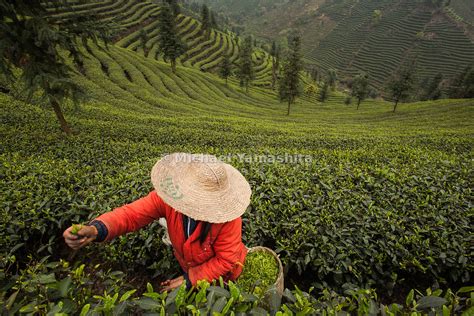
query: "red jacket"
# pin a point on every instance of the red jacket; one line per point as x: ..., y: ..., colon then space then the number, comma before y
x: 221, y: 254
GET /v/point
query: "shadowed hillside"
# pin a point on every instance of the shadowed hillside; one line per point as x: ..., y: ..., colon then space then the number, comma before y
x: 346, y: 35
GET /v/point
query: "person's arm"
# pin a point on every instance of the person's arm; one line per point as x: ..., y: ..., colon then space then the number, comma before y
x: 130, y: 217
x: 227, y: 254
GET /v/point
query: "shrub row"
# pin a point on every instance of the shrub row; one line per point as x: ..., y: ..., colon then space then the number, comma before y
x: 56, y: 288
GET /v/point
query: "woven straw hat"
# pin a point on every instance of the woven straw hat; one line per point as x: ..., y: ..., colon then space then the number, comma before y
x: 201, y: 187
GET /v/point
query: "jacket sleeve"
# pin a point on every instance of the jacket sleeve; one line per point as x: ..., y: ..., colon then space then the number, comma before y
x: 227, y: 248
x: 133, y: 216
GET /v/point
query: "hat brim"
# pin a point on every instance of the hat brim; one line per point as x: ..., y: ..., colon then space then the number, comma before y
x: 175, y: 185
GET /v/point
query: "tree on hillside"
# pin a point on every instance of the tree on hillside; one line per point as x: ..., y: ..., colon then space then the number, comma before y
x: 314, y: 74
x: 34, y: 42
x: 432, y: 90
x: 212, y: 20
x: 462, y: 85
x: 246, y: 71
x: 174, y: 6
x: 226, y: 68
x: 290, y: 82
x: 360, y: 88
x: 332, y: 78
x: 275, y: 55
x: 168, y: 40
x: 402, y: 83
x: 205, y: 19
x: 324, y: 92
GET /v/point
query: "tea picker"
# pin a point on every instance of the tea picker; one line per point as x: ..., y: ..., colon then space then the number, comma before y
x: 202, y: 200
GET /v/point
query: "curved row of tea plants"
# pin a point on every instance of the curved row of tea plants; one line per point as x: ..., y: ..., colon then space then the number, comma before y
x: 405, y: 30
x: 382, y: 199
x: 204, y: 52
x: 377, y: 205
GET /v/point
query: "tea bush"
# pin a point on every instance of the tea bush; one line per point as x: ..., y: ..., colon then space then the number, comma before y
x: 384, y: 202
x: 56, y: 288
x: 376, y: 211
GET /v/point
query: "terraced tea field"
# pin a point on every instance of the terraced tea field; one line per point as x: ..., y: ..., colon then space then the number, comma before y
x: 356, y: 44
x: 203, y: 52
x: 347, y: 197
x: 369, y: 162
x: 343, y: 35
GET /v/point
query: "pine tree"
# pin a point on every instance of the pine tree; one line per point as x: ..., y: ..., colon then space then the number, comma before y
x: 275, y: 54
x: 39, y: 51
x: 462, y: 85
x: 324, y: 92
x: 332, y: 78
x: 226, y: 69
x: 246, y: 72
x: 290, y: 82
x: 360, y: 88
x: 169, y: 42
x: 432, y: 90
x: 402, y: 82
x: 314, y: 74
x: 174, y: 6
x: 205, y: 20
x: 212, y: 20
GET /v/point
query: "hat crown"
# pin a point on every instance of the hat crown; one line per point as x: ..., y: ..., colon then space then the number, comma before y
x: 211, y: 176
x: 201, y: 187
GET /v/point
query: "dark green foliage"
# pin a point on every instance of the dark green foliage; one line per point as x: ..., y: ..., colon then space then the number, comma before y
x: 388, y: 212
x: 275, y: 54
x: 432, y: 91
x: 212, y: 20
x: 462, y: 86
x: 289, y: 86
x: 226, y: 68
x: 35, y: 42
x: 246, y: 72
x: 404, y: 193
x: 402, y: 83
x: 348, y: 100
x: 174, y: 6
x: 205, y: 18
x: 324, y: 92
x: 170, y: 44
x: 360, y: 88
x: 332, y: 78
x: 56, y: 288
x: 314, y: 73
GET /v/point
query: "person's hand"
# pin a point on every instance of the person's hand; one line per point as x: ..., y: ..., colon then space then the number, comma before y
x: 84, y: 236
x: 169, y: 285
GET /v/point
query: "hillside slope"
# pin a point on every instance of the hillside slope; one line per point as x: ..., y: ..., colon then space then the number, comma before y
x: 343, y: 34
x: 377, y: 199
x: 134, y: 17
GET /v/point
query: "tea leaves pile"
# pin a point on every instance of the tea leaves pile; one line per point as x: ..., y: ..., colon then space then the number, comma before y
x: 260, y: 270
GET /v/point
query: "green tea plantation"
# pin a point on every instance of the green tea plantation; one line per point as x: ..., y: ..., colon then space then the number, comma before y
x: 370, y: 211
